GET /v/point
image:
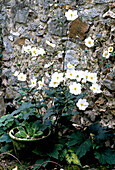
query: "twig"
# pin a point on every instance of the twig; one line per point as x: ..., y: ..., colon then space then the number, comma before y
x: 6, y: 153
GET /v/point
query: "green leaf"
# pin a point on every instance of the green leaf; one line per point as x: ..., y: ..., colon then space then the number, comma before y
x: 5, y: 117
x: 5, y: 138
x: 76, y: 138
x: 84, y: 148
x: 55, y: 151
x: 41, y: 161
x: 21, y: 133
x: 49, y: 113
x: 74, y: 113
x: 100, y: 134
x: 71, y: 157
x: 106, y: 157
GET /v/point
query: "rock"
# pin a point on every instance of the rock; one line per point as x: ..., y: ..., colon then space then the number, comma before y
x: 69, y: 58
x: 109, y: 81
x: 109, y: 14
x: 7, y: 45
x: 22, y: 16
x: 102, y: 1
x: 6, y: 56
x: 58, y: 25
x: 89, y: 14
x: 2, y: 104
x: 10, y: 93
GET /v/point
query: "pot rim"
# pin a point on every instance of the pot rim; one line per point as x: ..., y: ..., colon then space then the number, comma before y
x: 26, y: 140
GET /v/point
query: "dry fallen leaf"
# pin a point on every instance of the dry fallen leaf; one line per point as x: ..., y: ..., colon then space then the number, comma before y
x: 78, y: 28
x: 99, y: 102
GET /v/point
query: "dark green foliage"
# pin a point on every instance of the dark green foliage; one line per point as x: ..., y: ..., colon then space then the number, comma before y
x: 106, y: 157
x: 84, y: 148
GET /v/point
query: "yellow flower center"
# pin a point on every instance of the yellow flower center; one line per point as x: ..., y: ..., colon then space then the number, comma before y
x: 89, y: 42
x: 91, y: 78
x: 93, y: 87
x: 110, y: 49
x: 34, y: 51
x: 75, y: 88
x: 77, y: 75
x: 70, y: 74
x: 81, y: 104
x: 86, y: 77
x: 32, y: 38
x: 69, y: 66
x: 54, y: 82
x: 57, y: 77
x: 71, y: 15
x: 21, y: 77
x: 105, y: 54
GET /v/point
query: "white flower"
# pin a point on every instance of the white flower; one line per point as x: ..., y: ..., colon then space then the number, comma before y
x: 26, y: 49
x: 16, y: 73
x: 41, y: 51
x: 79, y: 75
x: 82, y: 104
x: 70, y: 66
x: 40, y: 84
x: 48, y: 65
x: 71, y: 15
x: 96, y: 88
x: 85, y: 76
x: 70, y: 74
x: 75, y: 88
x: 110, y: 49
x: 54, y: 83
x: 89, y: 42
x: 50, y: 44
x: 22, y: 77
x: 106, y: 54
x: 33, y: 82
x: 92, y: 77
x: 57, y: 76
x: 34, y: 51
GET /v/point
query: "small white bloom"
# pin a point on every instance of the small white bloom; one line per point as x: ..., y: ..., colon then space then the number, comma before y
x: 71, y: 15
x: 57, y: 76
x: 54, y: 83
x: 89, y: 42
x: 33, y: 82
x: 16, y: 73
x: 40, y: 84
x: 110, y: 49
x: 48, y: 65
x: 26, y: 49
x: 79, y: 75
x: 70, y: 66
x: 22, y: 77
x: 92, y: 77
x: 85, y: 76
x: 106, y: 54
x: 96, y: 88
x: 41, y: 51
x: 50, y: 44
x: 75, y: 88
x: 34, y: 51
x: 82, y: 104
x: 70, y: 74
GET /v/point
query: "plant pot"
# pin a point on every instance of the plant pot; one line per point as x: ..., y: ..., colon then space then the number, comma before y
x: 24, y: 147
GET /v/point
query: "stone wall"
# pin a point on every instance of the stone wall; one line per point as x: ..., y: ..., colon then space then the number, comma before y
x: 32, y: 22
